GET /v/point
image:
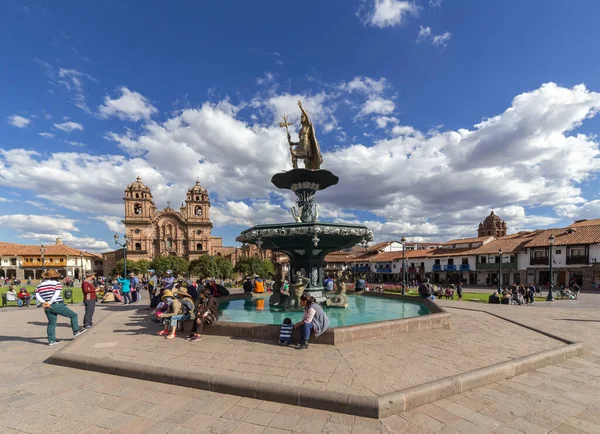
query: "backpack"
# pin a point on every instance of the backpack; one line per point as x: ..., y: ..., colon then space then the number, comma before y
x: 188, y: 305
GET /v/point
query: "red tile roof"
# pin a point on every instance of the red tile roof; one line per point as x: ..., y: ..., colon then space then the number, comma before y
x: 509, y: 244
x: 13, y: 249
x: 580, y: 223
x: 567, y: 236
x: 394, y: 256
x: 470, y: 240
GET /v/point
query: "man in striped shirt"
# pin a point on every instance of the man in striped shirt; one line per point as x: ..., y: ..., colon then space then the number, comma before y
x: 49, y: 295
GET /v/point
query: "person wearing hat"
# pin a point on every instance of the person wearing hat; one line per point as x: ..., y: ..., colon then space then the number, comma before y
x: 49, y: 295
x: 175, y: 312
x: 168, y: 281
x: 89, y: 298
x: 191, y: 289
x: 135, y: 294
x: 247, y: 285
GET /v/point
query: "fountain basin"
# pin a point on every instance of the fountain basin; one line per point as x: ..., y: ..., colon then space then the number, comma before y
x: 384, y: 322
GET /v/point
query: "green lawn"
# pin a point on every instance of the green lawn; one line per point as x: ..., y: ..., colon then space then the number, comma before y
x: 481, y: 297
x: 77, y: 294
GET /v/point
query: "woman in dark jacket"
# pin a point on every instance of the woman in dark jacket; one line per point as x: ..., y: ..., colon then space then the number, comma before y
x: 207, y: 313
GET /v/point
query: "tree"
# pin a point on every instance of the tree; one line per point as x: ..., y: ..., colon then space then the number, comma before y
x: 163, y: 263
x: 268, y: 269
x: 253, y: 265
x: 224, y: 269
x: 119, y: 269
x: 203, y: 267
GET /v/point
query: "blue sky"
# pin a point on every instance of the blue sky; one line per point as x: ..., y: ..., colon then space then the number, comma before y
x: 431, y: 112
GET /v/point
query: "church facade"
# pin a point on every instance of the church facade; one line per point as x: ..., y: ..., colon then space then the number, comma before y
x: 185, y: 232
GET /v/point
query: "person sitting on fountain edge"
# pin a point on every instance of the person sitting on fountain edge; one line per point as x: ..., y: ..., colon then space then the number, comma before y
x: 314, y: 319
x: 285, y: 333
x: 426, y: 289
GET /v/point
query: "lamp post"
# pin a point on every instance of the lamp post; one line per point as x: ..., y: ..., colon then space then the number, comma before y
x: 42, y: 250
x: 81, y: 273
x: 500, y: 272
x: 551, y: 242
x: 124, y: 245
x: 403, y: 241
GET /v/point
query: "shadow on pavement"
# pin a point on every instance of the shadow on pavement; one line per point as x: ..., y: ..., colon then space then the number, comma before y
x: 41, y: 341
x: 579, y: 320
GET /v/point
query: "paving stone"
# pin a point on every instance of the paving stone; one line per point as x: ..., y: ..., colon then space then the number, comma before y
x: 285, y: 421
x: 271, y: 430
x: 259, y: 417
x: 248, y: 428
x: 136, y: 426
x: 237, y: 413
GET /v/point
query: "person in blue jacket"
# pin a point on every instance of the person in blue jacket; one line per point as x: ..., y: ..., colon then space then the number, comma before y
x: 125, y: 289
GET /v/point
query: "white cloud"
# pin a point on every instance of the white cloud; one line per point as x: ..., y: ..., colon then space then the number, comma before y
x: 38, y: 205
x: 46, y: 135
x: 390, y: 13
x: 113, y: 223
x: 588, y: 210
x: 430, y: 184
x: 265, y: 79
x: 426, y: 35
x: 383, y: 121
x: 435, y: 3
x: 366, y: 85
x: 76, y: 144
x: 69, y: 126
x: 37, y: 222
x: 84, y: 243
x: 376, y: 105
x: 18, y: 121
x: 131, y: 106
x: 73, y: 80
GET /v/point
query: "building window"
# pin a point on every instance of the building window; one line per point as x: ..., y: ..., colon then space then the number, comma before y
x: 198, y: 211
x: 137, y: 231
x: 450, y: 261
x: 137, y: 195
x: 437, y: 262
x: 137, y: 209
x: 169, y: 243
x: 198, y: 232
x: 465, y: 261
x: 577, y: 252
x: 197, y: 197
x: 199, y: 246
x: 558, y: 252
x: 138, y: 246
x: 483, y: 259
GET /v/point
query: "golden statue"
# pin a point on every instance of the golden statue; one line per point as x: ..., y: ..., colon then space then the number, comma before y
x: 308, y: 146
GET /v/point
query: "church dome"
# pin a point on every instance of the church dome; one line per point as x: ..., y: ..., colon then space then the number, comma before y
x: 138, y: 185
x: 197, y: 188
x: 492, y: 219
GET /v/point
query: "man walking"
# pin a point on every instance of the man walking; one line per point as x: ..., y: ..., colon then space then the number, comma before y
x: 49, y: 294
x: 89, y: 298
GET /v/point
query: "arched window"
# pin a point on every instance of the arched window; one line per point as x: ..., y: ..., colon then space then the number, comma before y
x: 169, y: 243
x: 199, y: 246
x: 137, y: 209
x: 198, y: 211
x: 137, y: 195
x: 219, y: 254
x: 138, y: 246
x: 197, y: 197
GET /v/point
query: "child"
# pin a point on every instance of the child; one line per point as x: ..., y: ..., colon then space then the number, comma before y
x: 285, y: 335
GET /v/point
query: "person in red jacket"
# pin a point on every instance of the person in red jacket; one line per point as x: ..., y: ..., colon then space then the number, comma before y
x: 89, y: 298
x: 24, y: 296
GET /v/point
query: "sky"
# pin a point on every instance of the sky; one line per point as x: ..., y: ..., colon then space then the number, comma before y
x: 431, y: 112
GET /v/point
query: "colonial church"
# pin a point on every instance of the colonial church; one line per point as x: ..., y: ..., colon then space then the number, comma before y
x: 184, y: 232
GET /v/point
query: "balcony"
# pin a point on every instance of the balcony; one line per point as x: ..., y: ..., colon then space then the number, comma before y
x: 574, y: 260
x: 436, y: 267
x: 496, y: 266
x: 361, y: 269
x: 465, y: 267
x: 383, y: 270
x: 137, y: 252
x: 543, y: 260
x: 450, y: 267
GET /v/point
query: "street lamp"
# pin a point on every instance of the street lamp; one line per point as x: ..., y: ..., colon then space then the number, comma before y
x: 81, y: 257
x: 42, y: 250
x: 500, y: 272
x: 550, y: 296
x: 403, y: 241
x: 124, y: 245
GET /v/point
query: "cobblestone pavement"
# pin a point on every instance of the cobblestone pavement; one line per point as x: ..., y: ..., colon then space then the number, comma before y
x: 36, y: 397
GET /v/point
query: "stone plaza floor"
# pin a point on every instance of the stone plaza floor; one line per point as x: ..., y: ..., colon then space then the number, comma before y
x: 564, y: 398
